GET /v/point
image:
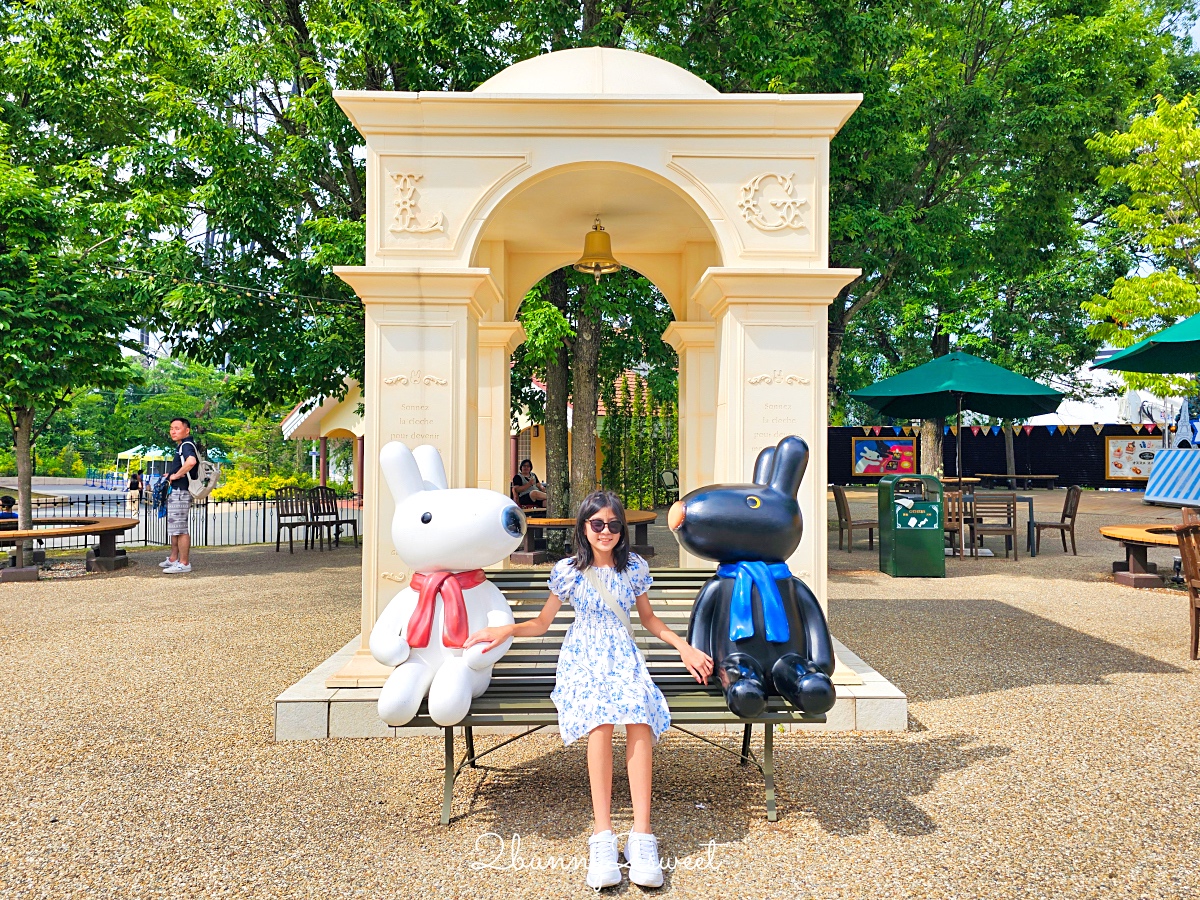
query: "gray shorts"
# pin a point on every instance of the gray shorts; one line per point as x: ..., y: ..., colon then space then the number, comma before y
x: 179, y: 502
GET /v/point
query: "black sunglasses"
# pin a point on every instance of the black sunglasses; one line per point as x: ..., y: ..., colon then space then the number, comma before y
x: 615, y: 526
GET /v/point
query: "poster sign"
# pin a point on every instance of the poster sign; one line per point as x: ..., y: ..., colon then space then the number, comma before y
x: 884, y: 456
x: 1129, y: 458
x: 924, y: 515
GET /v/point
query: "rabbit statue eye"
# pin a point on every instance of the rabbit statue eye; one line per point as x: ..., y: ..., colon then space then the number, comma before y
x: 426, y: 518
x: 753, y: 502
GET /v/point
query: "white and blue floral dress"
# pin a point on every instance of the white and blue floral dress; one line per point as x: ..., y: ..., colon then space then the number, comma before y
x: 601, y: 678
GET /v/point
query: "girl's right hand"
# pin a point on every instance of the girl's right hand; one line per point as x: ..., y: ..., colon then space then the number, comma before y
x: 700, y: 664
x: 494, y: 635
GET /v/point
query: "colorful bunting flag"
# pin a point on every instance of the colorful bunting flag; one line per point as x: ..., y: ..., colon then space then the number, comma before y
x: 975, y: 430
x: 896, y: 429
x: 1062, y: 429
x: 1050, y: 428
x: 1137, y: 429
x: 907, y: 429
x: 866, y: 429
x: 1028, y: 429
x: 876, y: 429
x: 1074, y: 429
x: 945, y: 429
x: 954, y: 430
x: 1097, y: 427
x: 995, y: 430
x: 1150, y: 428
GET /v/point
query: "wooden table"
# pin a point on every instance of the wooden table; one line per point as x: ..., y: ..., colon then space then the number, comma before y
x: 966, y: 479
x: 1136, y: 571
x: 1050, y: 481
x: 528, y: 555
x: 1030, y: 536
x: 106, y: 556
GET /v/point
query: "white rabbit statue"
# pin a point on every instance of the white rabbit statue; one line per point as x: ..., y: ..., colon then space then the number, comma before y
x: 445, y: 536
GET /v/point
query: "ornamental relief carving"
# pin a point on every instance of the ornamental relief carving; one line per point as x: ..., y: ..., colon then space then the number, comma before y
x: 415, y: 377
x: 398, y: 577
x: 779, y: 193
x: 406, y: 219
x: 777, y: 377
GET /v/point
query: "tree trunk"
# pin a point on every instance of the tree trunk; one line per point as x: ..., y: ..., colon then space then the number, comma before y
x: 933, y: 430
x: 558, y: 502
x: 1010, y: 455
x: 23, y: 445
x: 931, y: 446
x: 584, y: 395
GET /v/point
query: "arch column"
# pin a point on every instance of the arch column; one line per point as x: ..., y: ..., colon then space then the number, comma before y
x: 771, y: 373
x: 695, y: 343
x: 497, y: 341
x: 421, y: 385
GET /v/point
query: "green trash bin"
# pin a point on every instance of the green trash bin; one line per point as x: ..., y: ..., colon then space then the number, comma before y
x: 911, y: 535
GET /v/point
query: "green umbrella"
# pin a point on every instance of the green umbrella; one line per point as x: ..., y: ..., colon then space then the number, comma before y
x: 958, y: 381
x: 1175, y: 350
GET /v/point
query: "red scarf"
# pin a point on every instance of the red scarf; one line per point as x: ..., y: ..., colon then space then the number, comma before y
x: 450, y: 585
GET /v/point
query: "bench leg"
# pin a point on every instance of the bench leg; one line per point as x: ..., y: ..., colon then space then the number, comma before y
x: 745, y: 744
x: 448, y: 788
x: 470, y: 746
x: 769, y: 768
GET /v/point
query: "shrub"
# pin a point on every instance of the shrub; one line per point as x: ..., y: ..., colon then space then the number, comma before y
x: 241, y: 484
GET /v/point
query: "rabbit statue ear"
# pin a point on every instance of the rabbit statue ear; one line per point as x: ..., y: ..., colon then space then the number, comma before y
x: 763, y: 465
x: 789, y: 462
x: 400, y: 470
x: 429, y: 461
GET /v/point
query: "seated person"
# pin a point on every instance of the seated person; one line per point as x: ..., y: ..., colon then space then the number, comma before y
x: 7, y: 502
x: 526, y: 489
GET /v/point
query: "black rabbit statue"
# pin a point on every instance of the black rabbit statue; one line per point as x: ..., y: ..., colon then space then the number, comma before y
x: 761, y: 625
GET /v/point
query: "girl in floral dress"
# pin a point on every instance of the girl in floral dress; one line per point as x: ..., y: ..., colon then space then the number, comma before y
x: 602, y: 680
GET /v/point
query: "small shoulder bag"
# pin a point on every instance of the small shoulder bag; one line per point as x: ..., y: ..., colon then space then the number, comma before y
x: 611, y: 602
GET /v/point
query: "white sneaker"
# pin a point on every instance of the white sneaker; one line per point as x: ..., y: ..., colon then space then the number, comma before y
x: 177, y: 569
x: 167, y: 562
x: 603, y: 870
x: 645, y: 867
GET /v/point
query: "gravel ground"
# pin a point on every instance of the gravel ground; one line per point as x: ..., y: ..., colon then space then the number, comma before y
x: 1052, y: 749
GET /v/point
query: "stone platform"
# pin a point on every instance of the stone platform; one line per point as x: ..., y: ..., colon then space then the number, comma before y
x: 308, y: 710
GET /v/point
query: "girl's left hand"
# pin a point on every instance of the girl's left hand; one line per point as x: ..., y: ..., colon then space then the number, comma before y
x: 698, y: 663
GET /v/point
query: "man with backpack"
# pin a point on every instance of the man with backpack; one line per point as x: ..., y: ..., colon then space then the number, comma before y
x: 180, y: 471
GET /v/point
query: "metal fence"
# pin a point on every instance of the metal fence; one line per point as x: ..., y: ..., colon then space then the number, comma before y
x: 213, y: 523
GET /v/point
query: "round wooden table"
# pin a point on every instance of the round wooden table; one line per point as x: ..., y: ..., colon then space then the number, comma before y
x: 1136, y: 571
x: 528, y: 555
x: 106, y: 528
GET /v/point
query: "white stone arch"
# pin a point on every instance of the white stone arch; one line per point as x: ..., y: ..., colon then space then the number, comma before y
x: 664, y: 204
x: 741, y: 253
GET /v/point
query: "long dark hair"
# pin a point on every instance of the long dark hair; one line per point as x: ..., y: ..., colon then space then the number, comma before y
x: 592, y: 504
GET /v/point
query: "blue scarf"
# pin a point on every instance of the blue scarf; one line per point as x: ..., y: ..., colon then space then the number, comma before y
x: 741, y: 622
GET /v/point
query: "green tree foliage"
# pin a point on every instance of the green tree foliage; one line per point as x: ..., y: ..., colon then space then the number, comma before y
x: 964, y: 186
x: 59, y: 328
x: 1156, y: 163
x: 632, y: 316
x: 639, y: 439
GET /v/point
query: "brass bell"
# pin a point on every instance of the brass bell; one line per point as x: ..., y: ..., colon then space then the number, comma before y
x: 597, y: 253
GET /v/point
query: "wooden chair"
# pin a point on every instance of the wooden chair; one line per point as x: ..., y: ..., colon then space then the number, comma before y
x: 325, y: 516
x: 1189, y: 552
x: 670, y: 483
x: 291, y: 512
x: 1001, y: 507
x: 1065, y: 524
x: 846, y: 522
x: 524, y: 501
x: 956, y: 516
